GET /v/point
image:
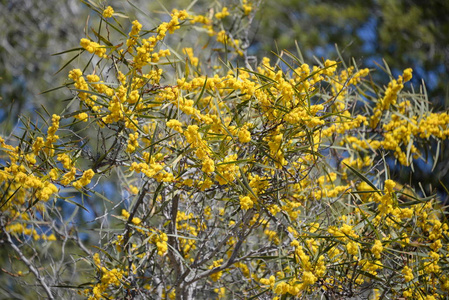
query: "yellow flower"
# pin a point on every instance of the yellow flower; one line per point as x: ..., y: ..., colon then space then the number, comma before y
x: 247, y: 8
x: 389, y: 185
x: 85, y: 179
x: 133, y: 142
x: 377, y: 248
x: 135, y: 28
x: 244, y: 135
x: 133, y: 189
x: 208, y: 166
x: 352, y: 248
x: 408, y: 274
x: 217, y: 275
x: 308, y: 278
x: 93, y: 47
x: 189, y: 52
x: 246, y: 202
x: 175, y: 124
x: 108, y: 12
x: 407, y: 74
x: 82, y: 117
x: 224, y: 13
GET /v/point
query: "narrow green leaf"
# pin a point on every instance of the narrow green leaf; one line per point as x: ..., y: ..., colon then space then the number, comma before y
x: 362, y: 177
x: 76, y: 203
x: 67, y: 63
x: 68, y: 51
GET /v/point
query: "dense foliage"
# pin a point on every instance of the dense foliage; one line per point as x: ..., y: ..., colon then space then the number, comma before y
x: 232, y: 178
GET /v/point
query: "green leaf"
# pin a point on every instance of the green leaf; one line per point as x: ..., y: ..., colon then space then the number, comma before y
x: 67, y: 63
x: 362, y: 177
x: 76, y: 203
x: 68, y: 51
x: 120, y: 15
x: 53, y: 89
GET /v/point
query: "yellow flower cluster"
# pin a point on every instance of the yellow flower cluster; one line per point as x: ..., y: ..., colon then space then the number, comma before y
x: 135, y: 220
x: 207, y: 23
x: 22, y: 187
x: 377, y: 248
x: 224, y: 38
x: 217, y: 275
x: 82, y: 117
x: 244, y: 134
x: 109, y: 279
x: 408, y: 274
x: 188, y: 225
x: 208, y: 165
x: 175, y: 124
x: 51, y: 136
x: 390, y: 98
x: 345, y: 123
x: 160, y: 240
x: 268, y: 281
x: 84, y: 180
x: 194, y: 138
x: 246, y: 202
x: 80, y: 83
x: 247, y: 7
x: 68, y: 177
x: 173, y: 25
x: 296, y: 286
x: 275, y: 145
x: 152, y: 170
x: 93, y: 47
x: 20, y: 228
x: 370, y: 267
x: 222, y: 14
x: 133, y: 35
x: 133, y: 142
x: 258, y: 184
x: 228, y: 170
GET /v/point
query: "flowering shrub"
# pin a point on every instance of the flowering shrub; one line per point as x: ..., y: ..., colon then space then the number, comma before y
x: 264, y: 181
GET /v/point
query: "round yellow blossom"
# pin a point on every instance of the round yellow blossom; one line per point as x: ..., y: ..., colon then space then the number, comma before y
x: 408, y: 274
x: 93, y: 47
x: 85, y: 179
x: 175, y: 124
x: 134, y: 189
x: 308, y: 278
x: 208, y: 166
x: 244, y: 135
x: 352, y: 248
x: 407, y: 75
x: 246, y: 202
x: 82, y: 116
x: 224, y: 13
x: 247, y: 8
x: 377, y: 248
x: 108, y: 12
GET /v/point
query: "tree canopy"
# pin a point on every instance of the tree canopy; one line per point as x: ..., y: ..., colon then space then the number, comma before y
x: 182, y: 167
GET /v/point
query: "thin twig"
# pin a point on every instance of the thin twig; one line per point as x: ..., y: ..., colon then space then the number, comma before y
x: 29, y: 265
